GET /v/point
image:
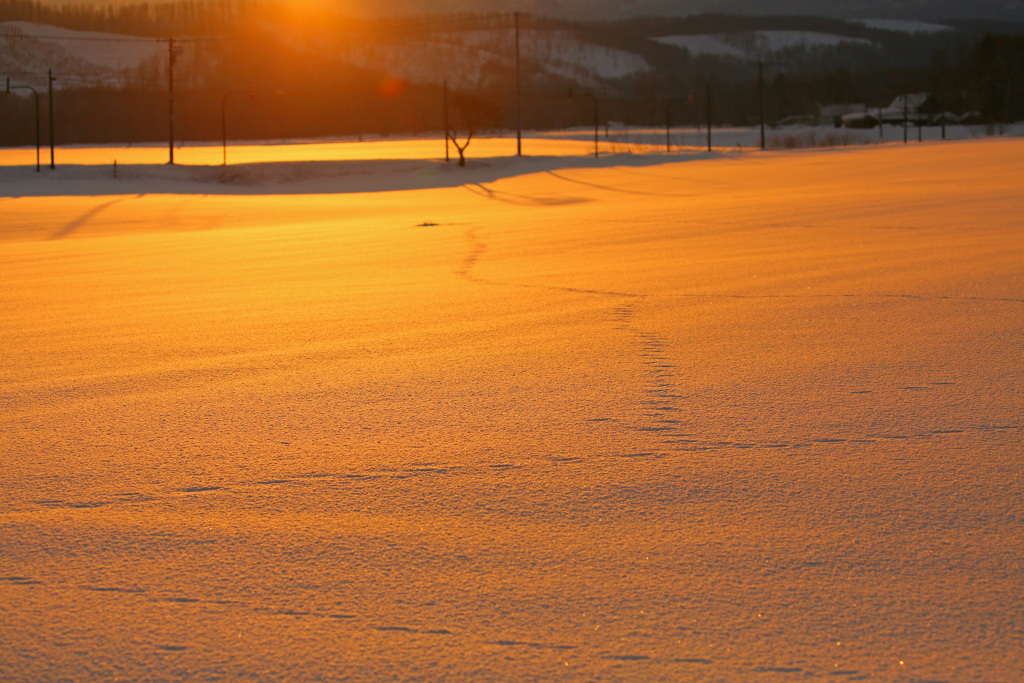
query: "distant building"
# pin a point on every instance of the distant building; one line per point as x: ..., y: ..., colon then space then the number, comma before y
x: 834, y: 113
x: 916, y: 108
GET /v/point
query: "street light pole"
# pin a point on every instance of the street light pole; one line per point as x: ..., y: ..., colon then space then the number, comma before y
x: 668, y: 126
x: 760, y: 88
x: 447, y: 126
x: 224, y: 120
x: 50, y: 79
x: 224, y: 129
x: 709, y: 114
x: 905, y: 116
x: 519, y: 93
x: 597, y: 117
x: 170, y: 99
x: 35, y: 96
x: 942, y: 115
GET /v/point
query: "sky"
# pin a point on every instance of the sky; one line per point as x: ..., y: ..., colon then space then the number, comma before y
x: 583, y: 9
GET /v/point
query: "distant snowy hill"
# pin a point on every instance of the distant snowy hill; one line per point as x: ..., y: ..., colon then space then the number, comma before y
x: 903, y: 25
x: 93, y: 58
x: 477, y: 58
x: 481, y: 53
x: 756, y: 44
x: 916, y: 10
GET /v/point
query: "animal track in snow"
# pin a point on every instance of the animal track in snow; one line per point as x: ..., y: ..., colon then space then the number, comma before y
x: 407, y: 629
x: 20, y: 580
x: 527, y: 643
x: 659, y: 366
x: 477, y: 249
x: 114, y: 589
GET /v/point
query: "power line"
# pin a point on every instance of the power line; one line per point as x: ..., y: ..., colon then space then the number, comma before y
x: 452, y: 21
x: 195, y: 39
x: 80, y: 38
x: 485, y: 21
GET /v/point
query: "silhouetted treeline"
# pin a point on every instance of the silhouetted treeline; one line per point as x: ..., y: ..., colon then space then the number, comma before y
x: 728, y: 23
x: 999, y: 70
x: 138, y: 19
x: 97, y: 115
x: 229, y: 17
x: 270, y: 86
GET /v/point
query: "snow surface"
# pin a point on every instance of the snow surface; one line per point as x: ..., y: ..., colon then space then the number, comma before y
x: 754, y: 43
x: 559, y: 52
x: 473, y: 58
x: 429, y: 62
x: 780, y: 40
x: 464, y: 59
x: 312, y: 160
x: 703, y: 44
x: 904, y: 25
x: 748, y: 416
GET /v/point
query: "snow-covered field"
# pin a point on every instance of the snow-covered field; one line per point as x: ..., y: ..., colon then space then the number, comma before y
x: 90, y: 162
x: 750, y: 416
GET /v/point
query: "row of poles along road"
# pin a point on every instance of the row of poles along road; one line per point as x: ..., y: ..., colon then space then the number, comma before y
x: 224, y: 100
x: 173, y: 51
x: 35, y: 96
x: 172, y: 54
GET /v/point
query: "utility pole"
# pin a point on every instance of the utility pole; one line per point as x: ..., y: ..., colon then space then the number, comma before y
x: 519, y: 93
x: 50, y: 79
x: 224, y: 119
x: 942, y: 115
x: 597, y: 117
x: 709, y: 115
x: 668, y: 126
x: 359, y: 115
x: 905, y: 114
x: 446, y: 126
x: 224, y: 127
x: 760, y: 83
x: 170, y: 98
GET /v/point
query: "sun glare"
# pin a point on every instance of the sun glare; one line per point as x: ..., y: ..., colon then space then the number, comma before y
x: 312, y: 16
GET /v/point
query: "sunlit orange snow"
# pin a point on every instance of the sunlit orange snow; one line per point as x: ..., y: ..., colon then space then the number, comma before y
x: 742, y: 418
x: 240, y: 152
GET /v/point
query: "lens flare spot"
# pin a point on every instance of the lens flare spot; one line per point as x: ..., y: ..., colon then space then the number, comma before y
x: 391, y: 87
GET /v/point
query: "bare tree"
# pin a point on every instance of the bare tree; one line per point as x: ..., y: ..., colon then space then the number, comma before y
x: 461, y: 148
x: 467, y: 115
